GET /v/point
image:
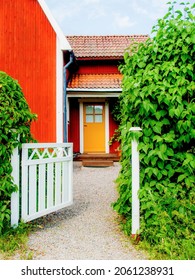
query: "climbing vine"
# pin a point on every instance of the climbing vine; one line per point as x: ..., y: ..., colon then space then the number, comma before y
x: 158, y: 96
x: 15, y: 120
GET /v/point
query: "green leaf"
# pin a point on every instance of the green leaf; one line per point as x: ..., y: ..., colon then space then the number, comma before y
x: 141, y: 64
x: 193, y: 38
x: 148, y: 132
x: 163, y: 148
x: 160, y: 114
x: 157, y: 128
x: 192, y: 163
x: 158, y: 138
x: 146, y: 105
x: 161, y: 164
x: 181, y: 177
x: 152, y: 183
x: 159, y: 175
x: 154, y: 160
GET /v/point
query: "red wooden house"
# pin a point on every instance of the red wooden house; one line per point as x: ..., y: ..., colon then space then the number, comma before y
x: 93, y: 89
x: 33, y: 50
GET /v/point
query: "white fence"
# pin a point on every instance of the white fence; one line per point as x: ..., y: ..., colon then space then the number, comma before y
x: 135, y: 231
x: 44, y: 175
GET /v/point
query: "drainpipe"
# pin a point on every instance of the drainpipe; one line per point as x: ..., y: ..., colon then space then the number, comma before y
x: 65, y: 94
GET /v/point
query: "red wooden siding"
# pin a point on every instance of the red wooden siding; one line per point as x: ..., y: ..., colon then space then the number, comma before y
x: 74, y: 130
x: 28, y: 54
x: 100, y: 68
x: 74, y: 127
x: 112, y: 127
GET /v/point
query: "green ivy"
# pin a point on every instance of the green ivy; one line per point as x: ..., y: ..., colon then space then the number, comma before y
x: 158, y: 96
x: 15, y: 120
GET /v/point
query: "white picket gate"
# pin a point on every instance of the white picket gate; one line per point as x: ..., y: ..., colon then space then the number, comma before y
x: 44, y: 174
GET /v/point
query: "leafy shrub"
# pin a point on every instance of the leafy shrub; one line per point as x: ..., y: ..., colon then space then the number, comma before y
x: 158, y: 96
x: 15, y: 119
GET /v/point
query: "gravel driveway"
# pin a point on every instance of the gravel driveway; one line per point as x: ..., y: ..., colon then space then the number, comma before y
x: 87, y: 230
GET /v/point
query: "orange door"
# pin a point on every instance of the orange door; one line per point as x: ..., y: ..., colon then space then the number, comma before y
x: 94, y: 127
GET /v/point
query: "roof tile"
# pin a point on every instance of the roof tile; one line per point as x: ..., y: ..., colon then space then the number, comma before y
x: 102, y: 46
x: 91, y: 81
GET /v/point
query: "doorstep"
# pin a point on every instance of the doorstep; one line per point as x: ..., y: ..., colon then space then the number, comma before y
x: 97, y: 160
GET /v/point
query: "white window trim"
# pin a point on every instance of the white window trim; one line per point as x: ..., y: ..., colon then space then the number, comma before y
x: 107, y: 127
x: 81, y: 127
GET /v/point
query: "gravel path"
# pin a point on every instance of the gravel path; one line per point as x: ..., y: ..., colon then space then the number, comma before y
x: 88, y: 229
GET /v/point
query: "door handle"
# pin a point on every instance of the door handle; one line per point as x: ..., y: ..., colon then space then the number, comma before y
x: 85, y: 125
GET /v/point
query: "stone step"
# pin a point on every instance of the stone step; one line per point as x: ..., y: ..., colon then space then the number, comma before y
x: 97, y: 163
x: 104, y: 157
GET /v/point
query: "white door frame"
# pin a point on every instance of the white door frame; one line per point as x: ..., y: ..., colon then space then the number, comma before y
x: 106, y: 126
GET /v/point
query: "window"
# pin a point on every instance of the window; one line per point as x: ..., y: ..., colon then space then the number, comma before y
x: 94, y: 113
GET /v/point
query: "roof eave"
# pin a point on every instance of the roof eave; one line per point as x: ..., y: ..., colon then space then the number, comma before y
x: 95, y: 89
x: 99, y: 57
x: 94, y: 93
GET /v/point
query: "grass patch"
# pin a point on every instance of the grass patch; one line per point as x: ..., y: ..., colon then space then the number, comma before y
x: 166, y: 249
x: 13, y: 243
x: 169, y: 250
x: 163, y: 252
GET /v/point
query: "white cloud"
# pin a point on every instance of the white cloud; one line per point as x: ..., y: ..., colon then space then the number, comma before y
x: 160, y: 9
x: 139, y: 9
x: 63, y: 10
x: 96, y: 13
x: 123, y: 21
x: 110, y: 16
x: 152, y: 9
x: 94, y: 9
x: 89, y: 2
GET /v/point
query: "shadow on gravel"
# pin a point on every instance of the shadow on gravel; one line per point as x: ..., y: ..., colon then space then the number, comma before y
x: 54, y: 219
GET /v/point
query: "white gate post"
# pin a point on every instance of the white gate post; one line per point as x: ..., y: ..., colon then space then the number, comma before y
x: 15, y: 161
x: 135, y: 185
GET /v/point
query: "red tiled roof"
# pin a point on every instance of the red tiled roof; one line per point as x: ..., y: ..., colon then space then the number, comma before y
x: 102, y: 46
x: 91, y: 81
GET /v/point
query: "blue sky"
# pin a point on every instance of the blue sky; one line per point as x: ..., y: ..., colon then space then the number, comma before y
x: 108, y: 17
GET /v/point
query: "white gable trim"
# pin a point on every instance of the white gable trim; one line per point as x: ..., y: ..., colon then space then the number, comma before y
x: 59, y: 93
x: 64, y: 45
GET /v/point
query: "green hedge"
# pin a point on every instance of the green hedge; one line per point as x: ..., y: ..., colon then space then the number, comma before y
x: 15, y: 120
x: 158, y: 95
